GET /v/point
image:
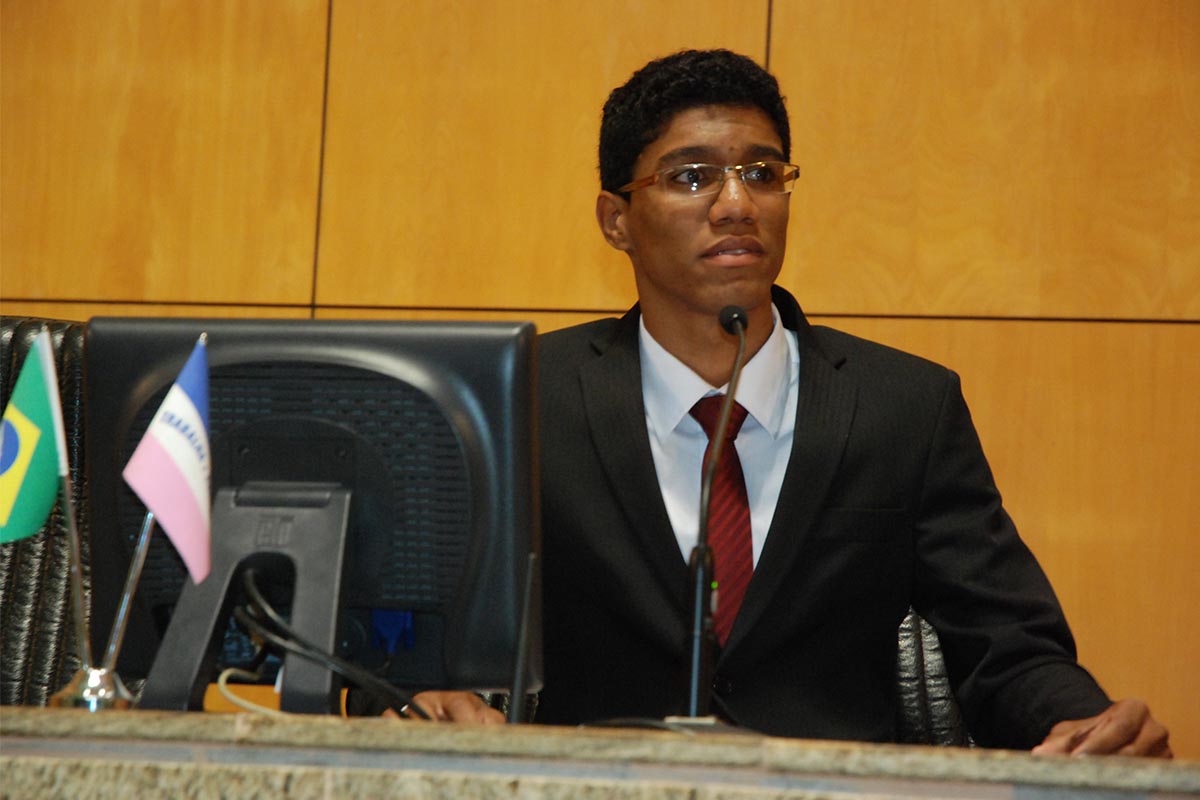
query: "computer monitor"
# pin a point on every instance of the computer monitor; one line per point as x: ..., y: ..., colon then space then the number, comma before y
x: 427, y: 427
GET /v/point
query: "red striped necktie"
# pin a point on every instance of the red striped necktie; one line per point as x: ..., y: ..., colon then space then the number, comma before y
x: 729, y: 516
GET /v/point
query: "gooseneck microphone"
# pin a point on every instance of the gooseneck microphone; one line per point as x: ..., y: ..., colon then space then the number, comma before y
x: 733, y: 320
x: 700, y: 564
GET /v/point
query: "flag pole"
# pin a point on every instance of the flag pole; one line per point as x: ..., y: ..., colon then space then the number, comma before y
x: 44, y: 350
x: 131, y: 582
x: 90, y: 688
x: 77, y: 598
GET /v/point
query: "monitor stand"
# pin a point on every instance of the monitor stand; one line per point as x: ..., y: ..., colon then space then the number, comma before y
x: 271, y: 527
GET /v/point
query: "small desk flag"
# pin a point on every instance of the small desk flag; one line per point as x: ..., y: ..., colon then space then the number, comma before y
x: 33, y: 450
x: 170, y: 469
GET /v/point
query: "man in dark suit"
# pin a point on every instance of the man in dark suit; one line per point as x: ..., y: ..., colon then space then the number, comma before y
x: 866, y: 491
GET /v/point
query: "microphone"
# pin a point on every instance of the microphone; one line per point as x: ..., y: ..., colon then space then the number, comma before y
x: 700, y: 564
x: 730, y: 317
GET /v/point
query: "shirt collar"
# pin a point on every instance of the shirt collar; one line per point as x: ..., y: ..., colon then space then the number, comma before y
x: 670, y: 388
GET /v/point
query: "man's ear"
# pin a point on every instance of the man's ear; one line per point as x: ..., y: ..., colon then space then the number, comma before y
x: 610, y: 214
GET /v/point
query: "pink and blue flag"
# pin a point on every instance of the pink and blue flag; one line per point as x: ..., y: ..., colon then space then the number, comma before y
x: 170, y: 469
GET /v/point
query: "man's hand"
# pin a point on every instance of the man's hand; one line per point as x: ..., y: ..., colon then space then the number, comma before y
x: 454, y: 707
x: 1125, y: 728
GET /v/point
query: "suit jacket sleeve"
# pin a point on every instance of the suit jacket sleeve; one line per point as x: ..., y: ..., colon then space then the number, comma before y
x: 1006, y: 642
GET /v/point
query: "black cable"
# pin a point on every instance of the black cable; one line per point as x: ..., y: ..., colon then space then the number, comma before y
x: 285, y: 635
x: 285, y: 638
x: 391, y: 696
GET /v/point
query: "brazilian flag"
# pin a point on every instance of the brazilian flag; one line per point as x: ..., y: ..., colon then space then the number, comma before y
x: 32, y: 454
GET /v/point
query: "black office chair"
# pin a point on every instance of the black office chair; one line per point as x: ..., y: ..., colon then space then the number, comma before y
x: 38, y: 642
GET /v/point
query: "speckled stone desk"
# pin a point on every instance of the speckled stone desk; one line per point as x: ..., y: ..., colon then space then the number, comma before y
x: 49, y: 753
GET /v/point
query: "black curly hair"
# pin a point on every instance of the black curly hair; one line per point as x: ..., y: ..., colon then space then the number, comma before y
x: 637, y: 113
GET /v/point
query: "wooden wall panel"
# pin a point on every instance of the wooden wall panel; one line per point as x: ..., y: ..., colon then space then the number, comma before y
x: 85, y: 310
x: 460, y: 162
x: 1000, y: 157
x: 161, y: 151
x: 1093, y: 435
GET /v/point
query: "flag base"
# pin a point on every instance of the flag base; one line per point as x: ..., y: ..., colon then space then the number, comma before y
x: 93, y: 688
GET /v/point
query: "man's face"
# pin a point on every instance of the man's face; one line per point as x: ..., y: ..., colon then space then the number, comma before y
x: 695, y: 255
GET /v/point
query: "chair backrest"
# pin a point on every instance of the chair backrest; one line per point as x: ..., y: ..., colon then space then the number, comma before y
x: 38, y: 642
x: 928, y: 712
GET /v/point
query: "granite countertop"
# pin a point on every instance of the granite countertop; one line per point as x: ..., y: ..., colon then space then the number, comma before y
x: 41, y: 737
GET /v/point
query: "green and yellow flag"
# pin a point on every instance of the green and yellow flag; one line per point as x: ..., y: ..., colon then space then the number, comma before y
x: 32, y: 446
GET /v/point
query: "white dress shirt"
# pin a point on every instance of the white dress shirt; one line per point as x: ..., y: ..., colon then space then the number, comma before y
x: 768, y: 390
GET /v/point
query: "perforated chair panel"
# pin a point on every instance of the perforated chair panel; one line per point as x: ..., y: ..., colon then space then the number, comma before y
x: 425, y: 543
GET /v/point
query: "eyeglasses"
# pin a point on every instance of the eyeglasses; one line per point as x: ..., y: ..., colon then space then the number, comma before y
x: 696, y: 180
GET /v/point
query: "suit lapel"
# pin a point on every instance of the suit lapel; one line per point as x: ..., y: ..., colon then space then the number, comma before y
x: 612, y: 387
x: 616, y: 416
x: 824, y: 411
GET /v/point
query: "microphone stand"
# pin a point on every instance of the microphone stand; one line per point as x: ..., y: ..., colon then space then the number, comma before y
x: 700, y: 564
